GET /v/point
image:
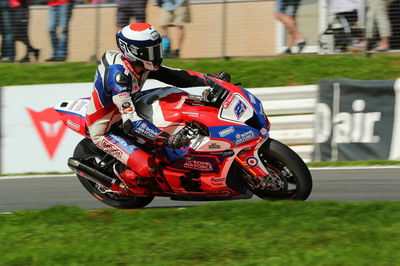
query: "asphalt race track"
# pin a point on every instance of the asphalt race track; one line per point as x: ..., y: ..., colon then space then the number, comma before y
x: 337, y: 184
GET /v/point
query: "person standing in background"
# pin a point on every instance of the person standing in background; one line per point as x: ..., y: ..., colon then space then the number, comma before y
x: 21, y: 28
x: 130, y: 8
x: 7, y: 19
x: 377, y: 14
x: 60, y: 12
x: 173, y: 13
x: 286, y: 12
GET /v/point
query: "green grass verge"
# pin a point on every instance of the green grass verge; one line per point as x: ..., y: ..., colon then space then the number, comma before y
x: 282, y: 71
x: 229, y: 233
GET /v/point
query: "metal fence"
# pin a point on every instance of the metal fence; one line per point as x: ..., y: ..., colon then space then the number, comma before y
x: 360, y: 26
x: 217, y: 28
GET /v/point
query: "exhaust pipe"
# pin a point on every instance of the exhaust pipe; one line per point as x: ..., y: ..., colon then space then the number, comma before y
x: 89, y: 173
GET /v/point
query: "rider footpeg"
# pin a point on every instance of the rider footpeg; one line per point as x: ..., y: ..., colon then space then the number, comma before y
x: 143, y: 181
x: 191, y: 181
x: 192, y: 175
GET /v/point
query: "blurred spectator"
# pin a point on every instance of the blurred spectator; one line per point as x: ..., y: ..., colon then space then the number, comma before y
x: 21, y: 31
x: 130, y: 8
x: 7, y: 19
x: 377, y: 14
x: 353, y: 9
x: 345, y: 21
x: 394, y: 11
x: 173, y: 13
x: 286, y: 12
x: 60, y: 12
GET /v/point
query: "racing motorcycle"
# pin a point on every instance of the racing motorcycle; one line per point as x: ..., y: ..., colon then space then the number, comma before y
x: 229, y: 154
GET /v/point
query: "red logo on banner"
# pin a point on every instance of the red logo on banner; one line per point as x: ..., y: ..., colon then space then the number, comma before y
x: 50, y: 128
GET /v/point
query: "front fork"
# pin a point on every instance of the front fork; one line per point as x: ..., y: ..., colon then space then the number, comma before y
x: 256, y: 174
x: 251, y: 161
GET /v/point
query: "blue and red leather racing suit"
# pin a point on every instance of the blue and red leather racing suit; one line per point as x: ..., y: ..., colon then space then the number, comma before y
x: 115, y: 84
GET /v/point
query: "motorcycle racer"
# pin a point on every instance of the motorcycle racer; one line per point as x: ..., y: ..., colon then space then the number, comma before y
x: 119, y: 76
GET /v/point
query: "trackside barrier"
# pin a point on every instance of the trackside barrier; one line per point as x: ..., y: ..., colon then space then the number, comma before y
x: 291, y: 113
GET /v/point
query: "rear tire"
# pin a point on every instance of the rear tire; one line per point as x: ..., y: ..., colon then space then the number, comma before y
x: 287, y: 169
x: 89, y: 153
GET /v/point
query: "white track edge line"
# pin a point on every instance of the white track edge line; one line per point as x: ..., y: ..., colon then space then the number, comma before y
x: 33, y: 176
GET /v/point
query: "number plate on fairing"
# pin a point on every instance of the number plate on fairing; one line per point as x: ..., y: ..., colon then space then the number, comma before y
x: 236, y: 109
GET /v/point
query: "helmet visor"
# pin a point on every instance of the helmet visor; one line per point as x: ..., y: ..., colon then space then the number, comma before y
x: 152, y: 53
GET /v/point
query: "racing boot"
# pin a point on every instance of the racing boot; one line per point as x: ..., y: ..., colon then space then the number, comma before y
x: 143, y: 165
x: 131, y: 181
x: 125, y: 174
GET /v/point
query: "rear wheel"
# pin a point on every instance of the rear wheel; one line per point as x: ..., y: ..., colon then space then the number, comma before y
x: 90, y: 155
x: 289, y: 177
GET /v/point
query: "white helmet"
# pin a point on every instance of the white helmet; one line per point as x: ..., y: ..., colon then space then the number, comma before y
x: 140, y: 44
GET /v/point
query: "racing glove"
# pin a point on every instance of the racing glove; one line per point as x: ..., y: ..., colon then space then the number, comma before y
x: 176, y: 141
x: 222, y: 76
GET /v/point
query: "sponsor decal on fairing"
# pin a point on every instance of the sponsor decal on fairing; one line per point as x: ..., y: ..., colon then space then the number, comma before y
x: 77, y: 105
x: 181, y: 102
x: 214, y: 146
x: 199, y: 165
x: 243, y: 137
x: 228, y: 101
x: 227, y: 131
x: 206, y: 144
x: 191, y: 114
x: 252, y: 99
x: 217, y: 179
x: 264, y: 131
x: 73, y: 125
x: 252, y: 161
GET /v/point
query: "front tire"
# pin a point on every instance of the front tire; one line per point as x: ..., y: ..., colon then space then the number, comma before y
x: 289, y: 172
x: 90, y: 154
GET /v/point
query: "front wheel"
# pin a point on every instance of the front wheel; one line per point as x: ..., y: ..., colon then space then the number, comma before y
x: 289, y: 177
x: 90, y: 155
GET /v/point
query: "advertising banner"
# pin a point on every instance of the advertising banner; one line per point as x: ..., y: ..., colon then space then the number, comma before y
x: 33, y: 138
x: 357, y: 120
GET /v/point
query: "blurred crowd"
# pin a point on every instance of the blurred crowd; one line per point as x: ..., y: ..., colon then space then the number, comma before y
x: 14, y: 24
x: 354, y: 25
